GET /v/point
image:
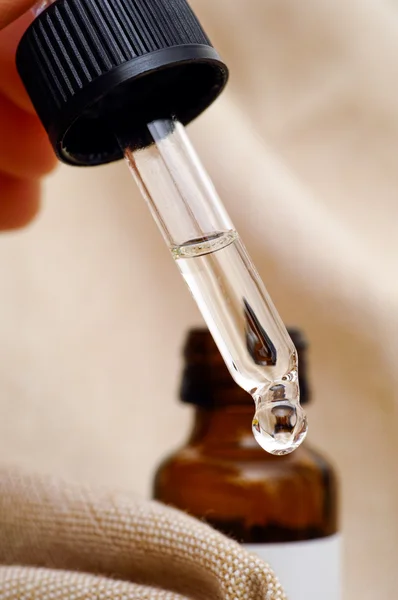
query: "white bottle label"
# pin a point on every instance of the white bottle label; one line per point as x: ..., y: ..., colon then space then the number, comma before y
x: 307, y: 570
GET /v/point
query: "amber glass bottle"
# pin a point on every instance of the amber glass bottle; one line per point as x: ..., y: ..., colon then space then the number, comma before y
x: 284, y: 508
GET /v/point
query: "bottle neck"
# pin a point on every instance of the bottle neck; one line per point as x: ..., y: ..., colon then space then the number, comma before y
x: 225, y: 425
x: 223, y: 411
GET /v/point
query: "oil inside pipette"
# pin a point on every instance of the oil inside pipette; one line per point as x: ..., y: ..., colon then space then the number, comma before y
x: 249, y: 334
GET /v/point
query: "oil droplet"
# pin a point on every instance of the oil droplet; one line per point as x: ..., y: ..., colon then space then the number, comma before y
x: 279, y: 425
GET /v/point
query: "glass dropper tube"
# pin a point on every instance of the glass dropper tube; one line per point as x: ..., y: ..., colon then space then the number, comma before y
x: 235, y: 305
x: 208, y: 251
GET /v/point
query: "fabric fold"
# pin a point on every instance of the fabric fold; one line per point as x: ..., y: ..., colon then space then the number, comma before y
x: 72, y: 533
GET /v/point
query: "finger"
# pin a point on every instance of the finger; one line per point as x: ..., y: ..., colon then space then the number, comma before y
x: 25, y: 151
x: 12, y: 9
x: 10, y: 82
x: 19, y: 202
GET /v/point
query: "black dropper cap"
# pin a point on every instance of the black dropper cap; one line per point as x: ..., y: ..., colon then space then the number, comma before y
x: 86, y: 62
x: 206, y: 380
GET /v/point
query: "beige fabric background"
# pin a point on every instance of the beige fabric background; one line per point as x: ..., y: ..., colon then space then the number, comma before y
x: 303, y: 149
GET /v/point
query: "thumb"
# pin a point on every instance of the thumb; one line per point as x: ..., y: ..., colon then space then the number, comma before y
x: 12, y: 9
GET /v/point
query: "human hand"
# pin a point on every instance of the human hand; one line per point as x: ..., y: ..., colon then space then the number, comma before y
x: 25, y: 152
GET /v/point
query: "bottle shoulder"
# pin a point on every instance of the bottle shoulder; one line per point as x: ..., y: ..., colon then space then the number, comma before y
x: 225, y: 460
x: 256, y: 498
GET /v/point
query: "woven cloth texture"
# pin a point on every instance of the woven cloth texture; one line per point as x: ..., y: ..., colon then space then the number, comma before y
x: 64, y: 541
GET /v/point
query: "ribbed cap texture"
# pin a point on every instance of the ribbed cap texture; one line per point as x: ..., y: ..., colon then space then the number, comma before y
x: 93, y: 67
x: 76, y: 41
